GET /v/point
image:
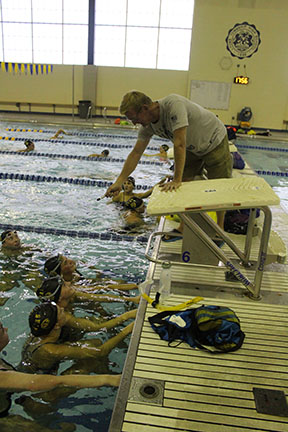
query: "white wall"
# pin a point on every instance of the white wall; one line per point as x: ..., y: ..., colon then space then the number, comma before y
x: 266, y: 94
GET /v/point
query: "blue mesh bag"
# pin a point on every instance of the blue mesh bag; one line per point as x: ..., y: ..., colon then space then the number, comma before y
x: 217, y: 327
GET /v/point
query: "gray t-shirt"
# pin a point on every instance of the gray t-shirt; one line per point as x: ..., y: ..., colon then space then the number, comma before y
x: 204, y: 130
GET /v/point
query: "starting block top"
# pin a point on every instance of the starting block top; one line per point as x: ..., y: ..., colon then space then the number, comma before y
x: 213, y: 195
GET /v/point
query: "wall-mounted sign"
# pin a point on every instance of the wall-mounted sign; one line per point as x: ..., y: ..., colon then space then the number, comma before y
x: 241, y: 80
x: 243, y: 40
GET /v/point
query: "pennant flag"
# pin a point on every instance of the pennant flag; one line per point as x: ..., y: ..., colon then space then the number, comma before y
x: 26, y: 68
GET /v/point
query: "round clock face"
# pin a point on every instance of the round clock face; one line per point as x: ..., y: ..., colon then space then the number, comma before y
x: 225, y: 63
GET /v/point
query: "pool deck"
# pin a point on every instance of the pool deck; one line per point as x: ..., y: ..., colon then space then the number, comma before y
x: 194, y: 390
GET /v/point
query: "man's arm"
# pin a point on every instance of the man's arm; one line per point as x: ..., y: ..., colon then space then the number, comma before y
x: 149, y: 191
x: 179, y: 140
x: 129, y: 166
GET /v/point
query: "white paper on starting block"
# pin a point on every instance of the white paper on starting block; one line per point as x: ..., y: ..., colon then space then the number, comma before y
x: 220, y: 194
x: 232, y: 148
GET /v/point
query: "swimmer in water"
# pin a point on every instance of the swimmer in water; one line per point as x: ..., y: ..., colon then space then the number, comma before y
x: 133, y: 216
x: 103, y: 154
x: 47, y: 347
x: 59, y: 132
x: 13, y: 381
x: 66, y: 268
x: 30, y: 146
x: 162, y: 153
x: 64, y: 294
x: 128, y: 191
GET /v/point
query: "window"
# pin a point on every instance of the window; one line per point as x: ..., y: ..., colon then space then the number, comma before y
x: 154, y: 34
x: 42, y: 31
x: 127, y: 33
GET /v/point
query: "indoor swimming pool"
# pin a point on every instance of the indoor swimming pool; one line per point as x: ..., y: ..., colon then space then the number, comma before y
x: 53, y: 216
x: 50, y: 197
x: 269, y: 159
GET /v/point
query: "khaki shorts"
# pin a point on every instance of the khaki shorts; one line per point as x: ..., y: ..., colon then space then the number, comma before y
x: 218, y: 163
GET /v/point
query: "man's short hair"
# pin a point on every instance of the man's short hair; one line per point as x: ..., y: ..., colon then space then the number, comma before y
x: 134, y: 100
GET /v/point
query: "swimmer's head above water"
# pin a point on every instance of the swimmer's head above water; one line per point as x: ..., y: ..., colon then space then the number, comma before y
x: 50, y: 289
x: 53, y: 265
x: 10, y: 240
x: 129, y: 183
x: 62, y: 266
x: 136, y: 204
x: 29, y: 144
x: 43, y: 319
x: 105, y: 153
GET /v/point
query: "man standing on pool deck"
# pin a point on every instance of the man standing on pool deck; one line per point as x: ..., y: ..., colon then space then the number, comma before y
x: 199, y: 138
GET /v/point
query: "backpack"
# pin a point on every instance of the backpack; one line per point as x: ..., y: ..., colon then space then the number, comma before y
x: 215, y: 326
x: 236, y: 221
x: 238, y: 162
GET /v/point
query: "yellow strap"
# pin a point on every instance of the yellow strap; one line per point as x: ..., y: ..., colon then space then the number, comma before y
x: 167, y: 308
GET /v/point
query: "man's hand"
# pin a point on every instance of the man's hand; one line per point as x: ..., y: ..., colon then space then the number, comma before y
x: 170, y: 186
x: 113, y: 190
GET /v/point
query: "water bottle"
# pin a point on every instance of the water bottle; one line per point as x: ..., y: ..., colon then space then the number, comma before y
x: 144, y: 287
x: 165, y: 281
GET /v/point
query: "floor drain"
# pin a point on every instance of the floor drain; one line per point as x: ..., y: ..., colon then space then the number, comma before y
x: 149, y: 391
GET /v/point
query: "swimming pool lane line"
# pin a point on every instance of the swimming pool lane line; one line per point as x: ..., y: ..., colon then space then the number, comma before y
x: 84, y: 143
x: 275, y: 149
x: 93, y: 135
x: 76, y: 234
x: 272, y: 173
x: 69, y: 180
x: 62, y: 156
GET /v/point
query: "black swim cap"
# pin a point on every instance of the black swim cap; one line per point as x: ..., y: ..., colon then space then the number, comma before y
x: 105, y: 152
x: 53, y: 265
x: 133, y: 203
x: 50, y: 289
x: 28, y: 142
x: 131, y: 180
x: 43, y: 318
x: 165, y: 147
x: 4, y: 234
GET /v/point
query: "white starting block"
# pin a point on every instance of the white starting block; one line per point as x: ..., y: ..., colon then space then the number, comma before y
x: 191, y: 202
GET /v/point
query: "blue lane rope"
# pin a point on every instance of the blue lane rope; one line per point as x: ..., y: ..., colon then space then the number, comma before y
x: 272, y: 173
x: 98, y: 183
x: 93, y: 135
x: 84, y: 143
x: 275, y: 149
x: 69, y: 180
x: 62, y: 156
x: 71, y: 233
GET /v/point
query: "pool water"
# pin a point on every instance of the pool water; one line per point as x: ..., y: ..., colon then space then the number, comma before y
x: 75, y: 207
x: 271, y: 155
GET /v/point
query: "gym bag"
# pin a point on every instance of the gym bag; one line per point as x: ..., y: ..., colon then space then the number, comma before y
x: 214, y: 326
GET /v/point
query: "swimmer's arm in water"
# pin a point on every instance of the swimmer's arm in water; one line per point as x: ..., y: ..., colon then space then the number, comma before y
x: 60, y: 131
x: 83, y: 349
x: 88, y: 325
x: 151, y: 155
x: 94, y: 155
x: 102, y: 298
x: 18, y: 381
x: 121, y: 286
